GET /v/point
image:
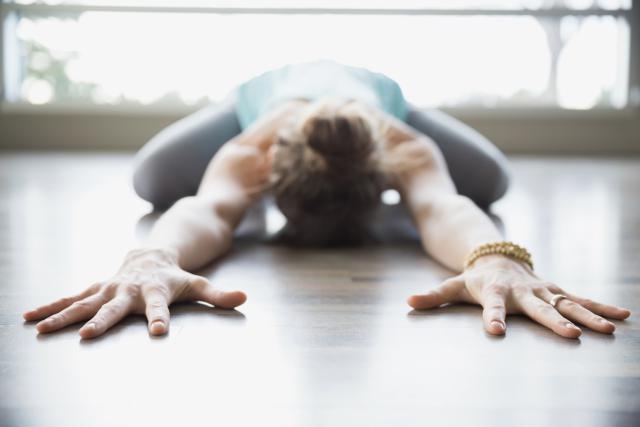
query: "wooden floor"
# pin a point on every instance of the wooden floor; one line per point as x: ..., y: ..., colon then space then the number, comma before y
x: 325, y: 338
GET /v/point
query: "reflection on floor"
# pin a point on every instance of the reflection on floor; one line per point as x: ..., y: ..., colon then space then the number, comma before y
x: 326, y: 337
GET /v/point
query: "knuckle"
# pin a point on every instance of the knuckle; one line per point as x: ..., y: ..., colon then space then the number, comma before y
x: 571, y: 305
x: 57, y: 318
x: 520, y: 291
x: 157, y: 305
x: 94, y: 287
x: 132, y: 290
x: 109, y: 309
x: 538, y: 288
x: 66, y: 300
x: 545, y: 309
x: 80, y: 306
x: 198, y: 282
x: 159, y: 288
x: 110, y: 288
x: 556, y: 288
x: 156, y: 318
x: 436, y: 292
x: 156, y: 292
x: 496, y: 288
x: 496, y: 307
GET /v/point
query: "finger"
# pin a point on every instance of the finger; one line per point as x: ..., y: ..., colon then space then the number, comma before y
x: 77, y: 311
x: 107, y: 316
x: 494, y: 308
x: 576, y: 312
x: 596, y: 307
x: 204, y: 290
x: 544, y: 313
x: 59, y: 305
x: 447, y: 292
x: 157, y: 311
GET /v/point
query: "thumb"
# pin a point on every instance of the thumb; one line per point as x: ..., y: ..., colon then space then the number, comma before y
x: 451, y: 290
x: 203, y: 290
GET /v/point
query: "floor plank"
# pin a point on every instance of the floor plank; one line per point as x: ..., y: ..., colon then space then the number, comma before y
x: 326, y: 337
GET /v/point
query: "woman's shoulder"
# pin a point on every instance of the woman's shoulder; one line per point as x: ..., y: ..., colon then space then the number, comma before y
x: 402, y: 147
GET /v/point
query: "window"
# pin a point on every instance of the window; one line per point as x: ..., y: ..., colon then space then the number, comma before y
x: 572, y: 54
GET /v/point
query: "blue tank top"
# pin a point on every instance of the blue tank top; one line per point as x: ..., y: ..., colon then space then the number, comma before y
x: 315, y: 79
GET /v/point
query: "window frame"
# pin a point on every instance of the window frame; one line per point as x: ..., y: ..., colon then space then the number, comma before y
x: 632, y: 15
x: 504, y: 120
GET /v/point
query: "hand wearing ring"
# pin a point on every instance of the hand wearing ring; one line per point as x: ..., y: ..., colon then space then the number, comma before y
x: 554, y: 300
x: 506, y: 286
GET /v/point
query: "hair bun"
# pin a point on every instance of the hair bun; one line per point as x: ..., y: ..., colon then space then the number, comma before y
x: 345, y: 142
x: 327, y: 175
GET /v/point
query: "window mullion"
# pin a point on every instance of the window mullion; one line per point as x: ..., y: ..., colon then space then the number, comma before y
x: 557, y: 12
x: 634, y: 56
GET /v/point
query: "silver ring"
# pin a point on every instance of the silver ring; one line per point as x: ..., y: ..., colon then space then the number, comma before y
x: 557, y: 297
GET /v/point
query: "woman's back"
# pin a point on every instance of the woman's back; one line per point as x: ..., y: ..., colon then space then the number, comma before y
x: 313, y: 80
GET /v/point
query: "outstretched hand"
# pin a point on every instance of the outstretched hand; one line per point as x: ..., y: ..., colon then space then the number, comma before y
x: 504, y: 286
x: 147, y: 283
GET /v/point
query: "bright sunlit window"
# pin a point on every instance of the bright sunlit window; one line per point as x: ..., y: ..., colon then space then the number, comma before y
x: 529, y: 53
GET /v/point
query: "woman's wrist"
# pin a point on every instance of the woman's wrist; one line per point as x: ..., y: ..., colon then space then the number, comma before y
x: 165, y: 254
x: 504, y: 248
x: 498, y: 261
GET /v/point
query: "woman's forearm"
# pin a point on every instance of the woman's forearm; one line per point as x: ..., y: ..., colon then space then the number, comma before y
x: 198, y: 229
x: 451, y: 226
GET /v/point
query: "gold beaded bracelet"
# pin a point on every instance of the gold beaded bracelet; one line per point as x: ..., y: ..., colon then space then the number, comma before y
x: 509, y: 249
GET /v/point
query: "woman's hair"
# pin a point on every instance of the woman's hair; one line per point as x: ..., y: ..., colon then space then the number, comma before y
x: 327, y: 174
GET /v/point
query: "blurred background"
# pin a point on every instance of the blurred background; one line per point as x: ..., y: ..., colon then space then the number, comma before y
x: 535, y: 76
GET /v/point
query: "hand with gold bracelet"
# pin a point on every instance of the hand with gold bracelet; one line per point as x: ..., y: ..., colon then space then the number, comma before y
x: 452, y: 228
x: 504, y: 284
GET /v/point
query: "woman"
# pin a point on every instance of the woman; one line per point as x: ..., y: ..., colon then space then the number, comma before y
x: 325, y: 139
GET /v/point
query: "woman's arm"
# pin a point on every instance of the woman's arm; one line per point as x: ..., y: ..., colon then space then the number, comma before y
x: 451, y: 226
x: 192, y: 233
x: 198, y: 229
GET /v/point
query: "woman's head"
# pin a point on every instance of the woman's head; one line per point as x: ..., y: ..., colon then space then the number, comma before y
x: 326, y: 175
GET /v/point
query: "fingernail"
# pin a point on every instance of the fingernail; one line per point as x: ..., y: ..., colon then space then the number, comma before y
x: 157, y: 326
x: 43, y: 325
x: 572, y: 326
x: 88, y: 330
x: 606, y: 322
x: 497, y: 324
